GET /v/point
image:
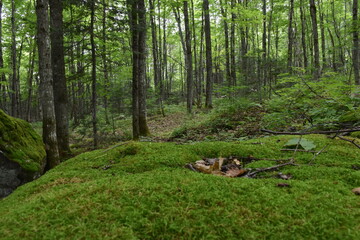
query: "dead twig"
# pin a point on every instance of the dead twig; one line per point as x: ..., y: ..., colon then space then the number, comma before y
x: 258, y: 170
x: 350, y: 141
x: 299, y: 150
x: 312, y: 132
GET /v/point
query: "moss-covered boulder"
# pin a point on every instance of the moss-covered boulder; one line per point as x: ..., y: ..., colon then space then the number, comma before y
x: 22, y: 153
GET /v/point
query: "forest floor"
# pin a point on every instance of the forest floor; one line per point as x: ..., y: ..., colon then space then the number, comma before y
x: 143, y: 190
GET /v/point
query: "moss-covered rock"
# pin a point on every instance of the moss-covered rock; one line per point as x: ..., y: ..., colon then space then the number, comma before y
x: 22, y: 153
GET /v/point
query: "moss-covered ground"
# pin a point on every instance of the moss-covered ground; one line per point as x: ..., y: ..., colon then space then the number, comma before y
x: 142, y: 191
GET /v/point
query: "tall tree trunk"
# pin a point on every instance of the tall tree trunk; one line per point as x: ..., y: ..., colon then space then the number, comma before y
x: 15, y: 85
x: 356, y: 42
x: 46, y: 92
x: 227, y: 49
x: 188, y: 62
x: 105, y: 63
x: 59, y: 80
x: 290, y: 36
x: 232, y: 44
x: 322, y: 33
x: 93, y: 74
x: 30, y: 79
x: 317, y: 70
x: 138, y: 32
x: 303, y: 34
x: 3, y: 100
x: 143, y: 127
x: 155, y: 53
x: 209, y: 75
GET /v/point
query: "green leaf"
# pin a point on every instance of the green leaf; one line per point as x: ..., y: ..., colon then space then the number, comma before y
x: 303, y: 144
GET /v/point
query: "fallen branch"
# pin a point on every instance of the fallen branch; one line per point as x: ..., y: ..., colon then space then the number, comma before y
x: 350, y: 141
x: 298, y: 150
x: 313, y: 132
x: 258, y: 170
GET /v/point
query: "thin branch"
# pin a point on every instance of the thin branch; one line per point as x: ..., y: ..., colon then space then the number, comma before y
x: 299, y: 150
x: 313, y: 132
x: 350, y: 141
x: 258, y: 170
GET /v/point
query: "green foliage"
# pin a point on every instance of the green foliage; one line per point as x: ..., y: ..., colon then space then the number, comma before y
x: 147, y: 194
x: 300, y: 143
x: 302, y: 103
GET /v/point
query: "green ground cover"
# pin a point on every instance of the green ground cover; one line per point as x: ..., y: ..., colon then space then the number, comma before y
x: 142, y: 191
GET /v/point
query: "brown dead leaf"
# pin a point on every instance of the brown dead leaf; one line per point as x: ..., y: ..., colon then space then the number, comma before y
x: 203, y: 168
x: 283, y: 185
x: 235, y: 172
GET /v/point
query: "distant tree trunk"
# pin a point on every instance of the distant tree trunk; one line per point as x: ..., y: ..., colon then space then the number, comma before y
x: 356, y: 42
x: 3, y: 99
x: 59, y: 80
x: 232, y: 45
x: 46, y: 88
x: 317, y: 70
x: 105, y: 63
x: 188, y: 62
x: 303, y: 34
x: 15, y: 85
x: 227, y: 50
x: 209, y: 77
x: 290, y: 36
x: 30, y: 79
x: 93, y: 74
x: 155, y: 53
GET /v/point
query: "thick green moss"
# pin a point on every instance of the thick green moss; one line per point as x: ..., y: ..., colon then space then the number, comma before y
x: 20, y: 143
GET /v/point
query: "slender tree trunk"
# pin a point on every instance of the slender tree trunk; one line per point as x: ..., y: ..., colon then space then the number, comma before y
x: 46, y: 88
x: 322, y: 32
x: 93, y: 74
x: 232, y: 44
x: 290, y: 36
x: 188, y: 62
x: 105, y: 63
x: 227, y: 49
x: 209, y: 75
x: 3, y: 100
x: 317, y: 70
x: 303, y: 34
x: 15, y: 85
x: 59, y: 80
x: 356, y: 42
x: 155, y: 52
x: 30, y: 79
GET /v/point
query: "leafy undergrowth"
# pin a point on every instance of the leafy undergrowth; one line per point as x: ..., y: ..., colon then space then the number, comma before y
x: 142, y: 191
x: 232, y: 120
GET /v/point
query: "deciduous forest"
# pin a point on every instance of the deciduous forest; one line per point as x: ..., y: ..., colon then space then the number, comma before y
x: 181, y: 113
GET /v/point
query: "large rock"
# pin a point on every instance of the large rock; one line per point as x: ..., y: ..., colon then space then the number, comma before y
x: 22, y: 154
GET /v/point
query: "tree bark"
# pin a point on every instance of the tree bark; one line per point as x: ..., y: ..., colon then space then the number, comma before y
x: 59, y: 80
x: 356, y: 42
x: 93, y: 74
x: 209, y: 75
x: 3, y: 99
x: 317, y: 70
x: 46, y: 88
x: 227, y: 50
x: 290, y: 36
x: 15, y: 85
x: 303, y: 35
x: 188, y: 62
